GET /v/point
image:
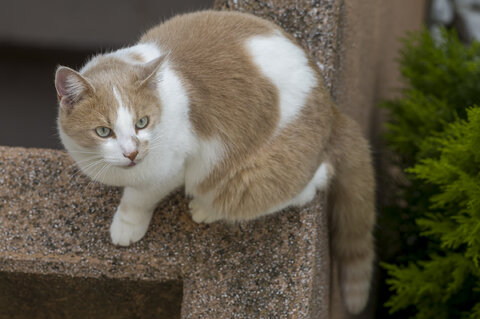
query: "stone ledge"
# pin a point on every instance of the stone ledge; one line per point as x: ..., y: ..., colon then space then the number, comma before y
x: 54, y: 222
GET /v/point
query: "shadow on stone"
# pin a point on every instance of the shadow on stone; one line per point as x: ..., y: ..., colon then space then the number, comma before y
x: 55, y: 296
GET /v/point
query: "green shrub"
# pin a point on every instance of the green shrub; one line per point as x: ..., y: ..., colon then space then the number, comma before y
x: 432, y: 245
x: 443, y: 80
x: 447, y: 285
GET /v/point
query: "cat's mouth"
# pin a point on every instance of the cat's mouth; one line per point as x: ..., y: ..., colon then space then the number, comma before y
x: 131, y: 164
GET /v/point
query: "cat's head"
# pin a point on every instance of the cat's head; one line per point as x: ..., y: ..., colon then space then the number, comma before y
x: 108, y: 113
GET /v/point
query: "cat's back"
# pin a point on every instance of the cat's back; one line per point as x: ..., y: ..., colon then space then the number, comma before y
x: 245, y: 76
x: 198, y: 34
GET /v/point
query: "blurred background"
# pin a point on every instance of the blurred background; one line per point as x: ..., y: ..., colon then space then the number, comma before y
x: 36, y: 36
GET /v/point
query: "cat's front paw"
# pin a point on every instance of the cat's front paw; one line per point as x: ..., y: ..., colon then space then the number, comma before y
x: 200, y: 214
x: 124, y: 232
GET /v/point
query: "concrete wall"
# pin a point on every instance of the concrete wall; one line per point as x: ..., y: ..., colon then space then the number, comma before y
x: 366, y: 69
x: 367, y: 72
x: 85, y: 24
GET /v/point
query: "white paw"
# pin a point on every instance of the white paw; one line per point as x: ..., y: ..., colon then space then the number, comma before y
x: 200, y: 214
x: 124, y: 232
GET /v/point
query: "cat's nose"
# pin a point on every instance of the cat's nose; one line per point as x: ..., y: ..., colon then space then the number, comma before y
x: 131, y: 155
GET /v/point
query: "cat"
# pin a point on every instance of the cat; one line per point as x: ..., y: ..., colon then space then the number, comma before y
x: 230, y: 106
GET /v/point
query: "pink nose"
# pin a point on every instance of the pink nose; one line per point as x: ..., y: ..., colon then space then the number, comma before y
x: 131, y: 155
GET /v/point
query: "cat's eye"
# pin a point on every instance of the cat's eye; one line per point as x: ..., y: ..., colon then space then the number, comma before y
x: 103, y: 131
x: 142, y: 123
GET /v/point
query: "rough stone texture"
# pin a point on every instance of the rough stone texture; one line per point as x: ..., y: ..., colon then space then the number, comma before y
x: 54, y: 227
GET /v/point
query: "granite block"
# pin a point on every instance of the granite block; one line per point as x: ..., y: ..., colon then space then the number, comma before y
x: 54, y: 228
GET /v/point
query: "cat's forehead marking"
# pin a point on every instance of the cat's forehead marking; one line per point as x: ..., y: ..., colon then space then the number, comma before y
x: 123, y: 123
x: 117, y: 97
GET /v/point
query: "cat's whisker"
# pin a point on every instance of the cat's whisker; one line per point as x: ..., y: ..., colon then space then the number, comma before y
x: 159, y: 140
x: 83, y: 152
x: 103, y: 171
x: 82, y: 161
x: 75, y: 176
x: 86, y: 168
x: 155, y: 146
x: 156, y: 139
x: 94, y: 161
x: 106, y: 170
x: 93, y: 180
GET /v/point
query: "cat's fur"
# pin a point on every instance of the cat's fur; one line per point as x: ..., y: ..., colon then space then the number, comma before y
x: 239, y: 115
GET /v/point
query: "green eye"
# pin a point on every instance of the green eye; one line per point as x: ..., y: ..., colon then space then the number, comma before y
x: 103, y: 131
x: 142, y: 123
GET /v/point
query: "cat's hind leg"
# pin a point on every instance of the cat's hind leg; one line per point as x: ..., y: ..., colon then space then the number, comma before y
x: 202, y: 213
x: 266, y: 184
x: 319, y: 181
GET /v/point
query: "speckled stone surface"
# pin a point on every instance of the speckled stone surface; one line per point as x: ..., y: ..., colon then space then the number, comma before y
x: 54, y: 227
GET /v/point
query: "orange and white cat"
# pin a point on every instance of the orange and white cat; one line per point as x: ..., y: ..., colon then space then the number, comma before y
x: 229, y: 106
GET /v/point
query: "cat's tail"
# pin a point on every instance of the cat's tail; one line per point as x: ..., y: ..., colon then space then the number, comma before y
x: 352, y: 211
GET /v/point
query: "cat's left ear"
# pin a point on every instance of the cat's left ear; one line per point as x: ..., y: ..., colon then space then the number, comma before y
x: 147, y: 73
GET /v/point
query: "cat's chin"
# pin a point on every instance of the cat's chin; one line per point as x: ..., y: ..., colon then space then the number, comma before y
x: 132, y: 164
x: 126, y: 166
x: 129, y: 165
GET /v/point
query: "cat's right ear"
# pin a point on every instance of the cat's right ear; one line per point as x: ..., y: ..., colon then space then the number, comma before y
x: 71, y: 86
